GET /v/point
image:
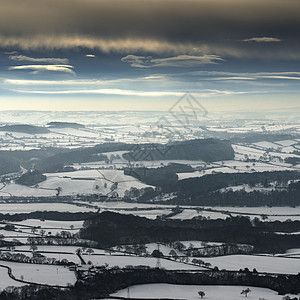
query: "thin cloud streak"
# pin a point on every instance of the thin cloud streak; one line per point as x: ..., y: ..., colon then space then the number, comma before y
x: 279, y: 77
x: 39, y: 60
x: 121, y: 92
x: 263, y: 40
x: 82, y: 82
x: 175, y: 61
x: 219, y: 75
x: 42, y: 68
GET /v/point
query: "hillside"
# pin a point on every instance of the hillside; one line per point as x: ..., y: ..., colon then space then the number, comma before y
x: 8, y: 165
x: 201, y: 149
x: 213, y: 182
x: 65, y: 125
x: 30, y: 129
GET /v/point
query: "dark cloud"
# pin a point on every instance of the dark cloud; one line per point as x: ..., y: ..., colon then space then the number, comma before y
x: 142, y: 24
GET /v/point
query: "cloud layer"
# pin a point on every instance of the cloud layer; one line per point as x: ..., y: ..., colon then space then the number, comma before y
x: 169, y: 26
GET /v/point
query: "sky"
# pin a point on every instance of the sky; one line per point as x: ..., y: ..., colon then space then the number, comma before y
x: 145, y: 54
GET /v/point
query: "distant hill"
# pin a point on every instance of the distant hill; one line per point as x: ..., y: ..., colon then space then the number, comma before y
x: 55, y: 159
x: 56, y: 162
x: 65, y: 125
x: 23, y: 128
x: 261, y: 137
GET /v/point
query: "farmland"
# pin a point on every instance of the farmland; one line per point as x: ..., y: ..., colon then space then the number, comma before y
x: 165, y: 210
x: 191, y: 292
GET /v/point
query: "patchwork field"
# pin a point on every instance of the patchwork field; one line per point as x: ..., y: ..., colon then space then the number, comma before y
x: 280, y: 265
x: 216, y: 292
x: 44, y: 274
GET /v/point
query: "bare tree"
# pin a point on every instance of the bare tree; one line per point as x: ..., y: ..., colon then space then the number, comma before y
x: 245, y: 292
x: 33, y: 248
x: 89, y: 251
x: 33, y: 229
x: 201, y: 294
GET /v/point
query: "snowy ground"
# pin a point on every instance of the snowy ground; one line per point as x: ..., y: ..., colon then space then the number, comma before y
x: 50, y: 224
x: 14, y: 208
x: 295, y: 252
x: 199, y: 244
x: 165, y: 250
x: 272, y: 213
x: 6, y: 281
x: 267, y: 264
x: 123, y: 261
x: 192, y: 213
x: 45, y: 274
x: 149, y: 214
x: 77, y: 182
x: 213, y: 292
x: 23, y: 229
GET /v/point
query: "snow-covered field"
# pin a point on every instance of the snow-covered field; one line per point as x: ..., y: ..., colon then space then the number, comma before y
x: 121, y: 205
x: 165, y: 250
x: 13, y: 234
x: 294, y: 253
x: 212, y: 292
x: 45, y: 274
x: 122, y: 261
x: 55, y: 248
x: 260, y: 263
x: 149, y: 214
x: 199, y: 244
x: 14, y: 208
x: 50, y: 224
x: 6, y: 281
x: 23, y: 229
x: 254, y: 153
x: 236, y: 166
x: 192, y: 213
x: 77, y: 182
x: 272, y: 213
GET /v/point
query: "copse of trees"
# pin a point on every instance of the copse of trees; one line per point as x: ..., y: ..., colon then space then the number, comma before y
x: 31, y: 177
x: 199, y: 149
x: 212, y: 182
x: 110, y: 229
x: 153, y: 176
x: 241, y: 198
